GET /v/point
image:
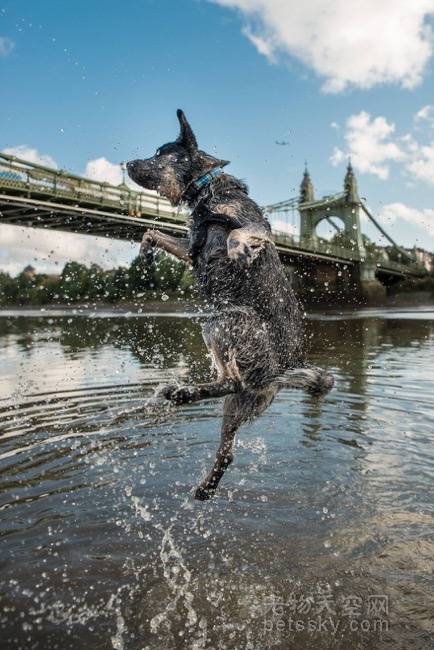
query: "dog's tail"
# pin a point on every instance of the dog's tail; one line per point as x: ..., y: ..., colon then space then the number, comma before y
x: 311, y: 379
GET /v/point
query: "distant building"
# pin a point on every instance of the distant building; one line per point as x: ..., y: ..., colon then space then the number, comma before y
x: 29, y: 271
x: 424, y: 258
x: 419, y: 255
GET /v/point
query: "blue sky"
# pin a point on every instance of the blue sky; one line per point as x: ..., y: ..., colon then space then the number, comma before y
x: 87, y: 85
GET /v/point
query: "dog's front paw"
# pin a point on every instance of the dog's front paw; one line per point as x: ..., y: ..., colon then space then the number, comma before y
x: 179, y: 394
x: 147, y: 248
x: 239, y: 252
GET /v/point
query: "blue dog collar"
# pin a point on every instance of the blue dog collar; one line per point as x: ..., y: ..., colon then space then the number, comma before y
x: 204, y: 180
x: 196, y: 186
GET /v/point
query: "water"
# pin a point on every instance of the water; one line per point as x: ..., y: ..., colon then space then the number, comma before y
x: 321, y: 535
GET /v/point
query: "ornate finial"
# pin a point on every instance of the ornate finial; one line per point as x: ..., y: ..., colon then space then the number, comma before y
x: 306, y: 187
x: 350, y: 184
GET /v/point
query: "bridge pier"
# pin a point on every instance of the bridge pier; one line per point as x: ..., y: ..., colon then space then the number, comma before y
x: 342, y: 283
x: 369, y: 286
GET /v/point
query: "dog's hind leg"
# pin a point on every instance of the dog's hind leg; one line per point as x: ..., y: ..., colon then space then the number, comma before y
x: 217, y: 340
x: 232, y: 418
x: 237, y: 409
x: 187, y: 393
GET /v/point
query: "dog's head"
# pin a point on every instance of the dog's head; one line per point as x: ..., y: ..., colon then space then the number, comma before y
x: 174, y: 166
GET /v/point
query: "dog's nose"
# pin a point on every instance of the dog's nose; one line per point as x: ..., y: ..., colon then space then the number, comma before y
x: 133, y: 169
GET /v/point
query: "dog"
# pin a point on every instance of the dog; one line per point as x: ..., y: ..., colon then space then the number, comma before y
x: 254, y: 335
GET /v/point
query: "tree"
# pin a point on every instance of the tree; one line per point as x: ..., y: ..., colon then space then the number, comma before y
x: 117, y: 284
x: 8, y: 289
x: 141, y: 277
x: 74, y: 281
x: 169, y: 272
x: 96, y: 283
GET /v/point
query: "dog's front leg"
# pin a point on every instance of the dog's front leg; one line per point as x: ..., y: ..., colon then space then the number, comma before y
x: 177, y: 246
x: 244, y: 244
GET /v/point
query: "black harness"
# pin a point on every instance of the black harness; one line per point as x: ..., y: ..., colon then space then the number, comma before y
x: 202, y: 218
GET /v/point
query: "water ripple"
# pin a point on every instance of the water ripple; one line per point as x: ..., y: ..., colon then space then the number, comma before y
x: 328, y: 503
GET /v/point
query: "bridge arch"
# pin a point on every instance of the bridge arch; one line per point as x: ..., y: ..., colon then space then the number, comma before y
x: 330, y: 226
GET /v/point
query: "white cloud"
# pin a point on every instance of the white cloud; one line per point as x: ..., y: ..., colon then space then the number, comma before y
x: 6, y: 46
x: 31, y: 155
x: 282, y: 226
x: 359, y: 43
x: 48, y: 250
x: 421, y: 165
x: 263, y: 45
x: 370, y: 145
x: 426, y: 114
x: 104, y: 171
x: 337, y: 157
x: 421, y: 218
x: 373, y: 145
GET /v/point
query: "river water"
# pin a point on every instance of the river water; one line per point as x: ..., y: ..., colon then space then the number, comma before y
x: 321, y: 534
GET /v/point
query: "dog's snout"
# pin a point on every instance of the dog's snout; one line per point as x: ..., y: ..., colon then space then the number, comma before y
x: 131, y: 165
x: 135, y: 171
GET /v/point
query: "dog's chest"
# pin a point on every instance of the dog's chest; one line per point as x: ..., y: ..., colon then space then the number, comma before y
x: 203, y: 230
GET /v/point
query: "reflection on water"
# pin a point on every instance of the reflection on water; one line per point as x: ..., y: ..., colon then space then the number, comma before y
x: 321, y: 535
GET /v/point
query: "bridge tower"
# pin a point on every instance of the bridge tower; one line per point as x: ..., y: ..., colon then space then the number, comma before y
x: 361, y: 277
x: 345, y: 206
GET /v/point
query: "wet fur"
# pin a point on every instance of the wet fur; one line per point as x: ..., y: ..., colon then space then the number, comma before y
x: 254, y: 335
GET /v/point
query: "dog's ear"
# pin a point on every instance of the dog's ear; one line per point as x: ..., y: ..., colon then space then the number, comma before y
x: 205, y: 162
x: 186, y: 138
x: 202, y: 162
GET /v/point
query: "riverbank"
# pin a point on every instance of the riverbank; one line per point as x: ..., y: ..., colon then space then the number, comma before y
x: 182, y: 305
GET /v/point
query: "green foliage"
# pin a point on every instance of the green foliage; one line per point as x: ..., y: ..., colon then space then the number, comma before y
x: 168, y: 272
x: 140, y: 277
x: 78, y: 283
x: 117, y: 284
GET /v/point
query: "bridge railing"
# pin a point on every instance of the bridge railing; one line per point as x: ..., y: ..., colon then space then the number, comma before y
x: 37, y: 181
x: 323, y: 247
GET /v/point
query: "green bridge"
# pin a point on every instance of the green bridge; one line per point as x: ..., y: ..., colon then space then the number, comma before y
x: 41, y: 197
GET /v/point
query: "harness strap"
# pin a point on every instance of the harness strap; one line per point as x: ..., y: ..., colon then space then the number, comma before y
x: 203, y: 217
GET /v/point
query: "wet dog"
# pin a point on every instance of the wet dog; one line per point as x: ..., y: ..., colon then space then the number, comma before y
x: 254, y: 335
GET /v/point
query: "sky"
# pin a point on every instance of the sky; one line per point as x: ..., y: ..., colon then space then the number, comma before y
x: 87, y: 85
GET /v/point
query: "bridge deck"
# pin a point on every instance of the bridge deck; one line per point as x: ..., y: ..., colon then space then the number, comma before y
x: 41, y: 197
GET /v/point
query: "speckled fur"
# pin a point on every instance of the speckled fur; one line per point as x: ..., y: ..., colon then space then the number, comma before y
x: 254, y: 334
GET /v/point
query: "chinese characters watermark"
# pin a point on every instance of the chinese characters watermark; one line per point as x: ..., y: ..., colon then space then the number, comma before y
x: 324, y: 613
